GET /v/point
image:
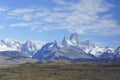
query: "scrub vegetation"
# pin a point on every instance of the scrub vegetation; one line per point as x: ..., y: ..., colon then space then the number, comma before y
x: 62, y: 71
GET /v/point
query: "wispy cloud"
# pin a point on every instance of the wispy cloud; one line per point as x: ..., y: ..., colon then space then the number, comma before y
x: 1, y: 26
x: 32, y: 25
x: 82, y: 16
x: 3, y: 9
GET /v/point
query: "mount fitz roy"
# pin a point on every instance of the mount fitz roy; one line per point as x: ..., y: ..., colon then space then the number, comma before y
x: 70, y: 49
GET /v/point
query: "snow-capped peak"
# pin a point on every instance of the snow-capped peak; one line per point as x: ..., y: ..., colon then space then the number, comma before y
x: 87, y: 46
x: 118, y: 50
x: 75, y: 39
x: 29, y: 47
x: 53, y: 45
x: 9, y: 41
x: 66, y: 42
x: 109, y: 50
x: 9, y: 44
x: 72, y: 41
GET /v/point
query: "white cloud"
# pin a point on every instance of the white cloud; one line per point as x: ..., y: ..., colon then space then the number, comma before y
x: 1, y: 26
x: 27, y: 17
x: 32, y: 25
x: 3, y: 9
x: 82, y: 16
x: 20, y: 14
x: 19, y: 25
x: 21, y: 11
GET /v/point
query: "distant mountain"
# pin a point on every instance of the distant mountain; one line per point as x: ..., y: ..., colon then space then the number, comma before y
x: 118, y: 50
x: 51, y: 51
x: 47, y: 51
x: 87, y: 46
x: 14, y: 57
x: 73, y: 49
x: 110, y: 55
x: 72, y: 41
x: 10, y: 45
x: 29, y: 47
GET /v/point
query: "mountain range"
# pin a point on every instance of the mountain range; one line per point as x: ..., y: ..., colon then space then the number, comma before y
x: 70, y: 49
x: 14, y: 52
x: 28, y: 47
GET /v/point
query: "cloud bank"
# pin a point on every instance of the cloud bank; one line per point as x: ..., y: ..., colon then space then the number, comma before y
x: 81, y: 16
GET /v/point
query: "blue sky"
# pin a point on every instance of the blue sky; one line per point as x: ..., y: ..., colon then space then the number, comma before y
x: 49, y: 20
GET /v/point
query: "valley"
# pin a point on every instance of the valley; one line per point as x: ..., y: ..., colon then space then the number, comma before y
x: 61, y: 71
